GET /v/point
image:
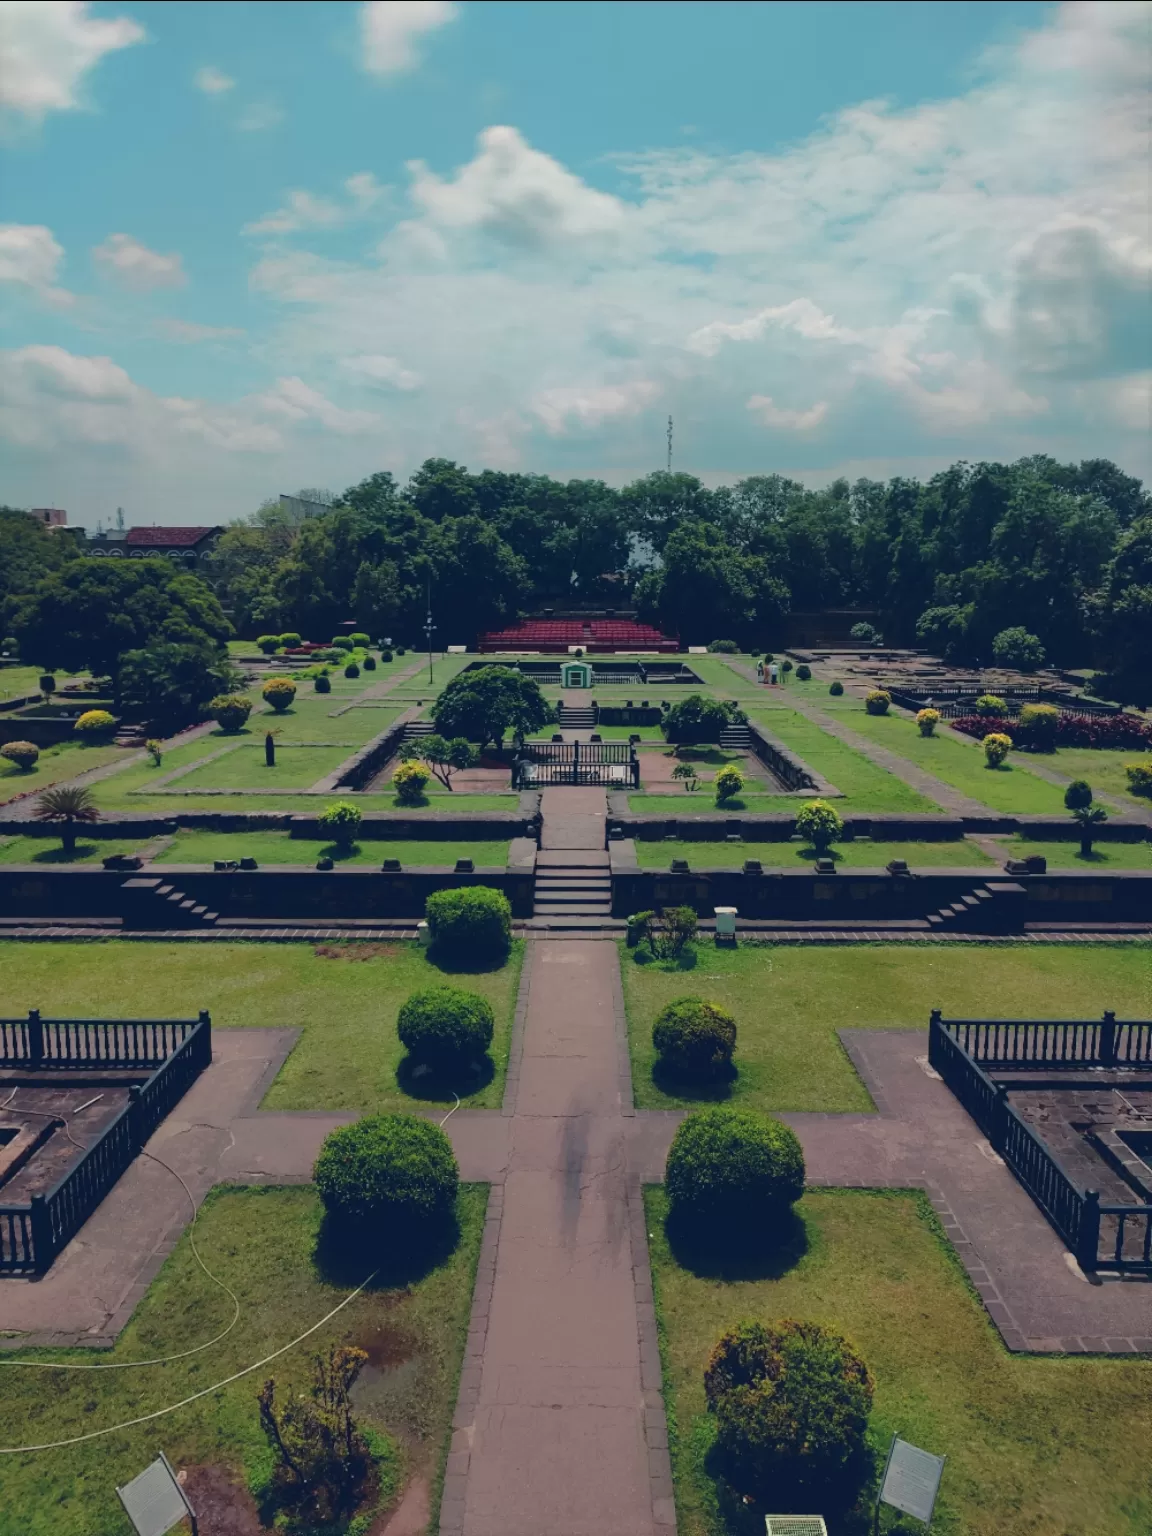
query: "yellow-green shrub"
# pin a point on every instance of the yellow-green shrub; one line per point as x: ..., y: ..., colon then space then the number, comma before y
x: 876, y: 701
x: 1139, y: 778
x: 95, y: 722
x: 410, y: 781
x: 279, y: 692
x: 996, y: 748
x: 928, y: 720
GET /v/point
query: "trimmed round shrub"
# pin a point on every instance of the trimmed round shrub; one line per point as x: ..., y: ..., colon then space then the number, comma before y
x: 369, y: 663
x: 1037, y: 726
x: 23, y: 753
x: 322, y: 683
x: 48, y: 683
x: 446, y: 1028
x: 1139, y: 776
x: 94, y: 723
x: 1017, y: 648
x: 791, y: 1401
x: 836, y: 689
x: 996, y: 748
x: 877, y: 701
x: 341, y: 643
x: 729, y: 781
x: 803, y: 673
x: 819, y: 824
x: 724, y: 647
x: 290, y: 638
x: 991, y: 706
x: 279, y: 693
x: 230, y: 711
x: 390, y: 1171
x: 694, y: 1039
x: 472, y: 926
x: 385, y: 655
x: 352, y: 670
x: 927, y: 720
x: 340, y: 822
x: 1078, y: 795
x: 269, y: 644
x: 733, y: 1168
x: 786, y: 665
x: 865, y: 634
x: 400, y: 651
x: 410, y: 780
x: 360, y: 637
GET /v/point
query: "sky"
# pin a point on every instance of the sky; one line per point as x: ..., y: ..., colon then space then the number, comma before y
x: 250, y: 247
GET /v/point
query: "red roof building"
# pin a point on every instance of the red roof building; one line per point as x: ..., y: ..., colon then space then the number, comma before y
x: 186, y: 544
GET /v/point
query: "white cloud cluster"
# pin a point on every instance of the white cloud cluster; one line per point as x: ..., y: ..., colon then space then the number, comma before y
x: 30, y: 256
x: 212, y: 81
x: 390, y: 31
x: 48, y: 46
x: 304, y: 210
x: 134, y: 266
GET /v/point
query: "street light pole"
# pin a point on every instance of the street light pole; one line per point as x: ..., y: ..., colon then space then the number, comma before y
x: 428, y: 628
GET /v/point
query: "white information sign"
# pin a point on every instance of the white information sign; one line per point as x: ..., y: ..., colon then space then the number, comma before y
x: 911, y: 1480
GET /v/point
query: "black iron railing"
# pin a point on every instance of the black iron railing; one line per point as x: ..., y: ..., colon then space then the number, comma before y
x: 1108, y: 1237
x: 576, y: 762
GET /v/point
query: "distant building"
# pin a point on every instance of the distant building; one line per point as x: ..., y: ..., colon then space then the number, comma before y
x: 51, y: 517
x: 188, y: 545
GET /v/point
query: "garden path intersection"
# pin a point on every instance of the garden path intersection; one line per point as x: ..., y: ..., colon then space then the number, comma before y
x: 559, y: 1427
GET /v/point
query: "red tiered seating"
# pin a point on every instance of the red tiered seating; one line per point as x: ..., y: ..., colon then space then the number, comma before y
x: 592, y: 634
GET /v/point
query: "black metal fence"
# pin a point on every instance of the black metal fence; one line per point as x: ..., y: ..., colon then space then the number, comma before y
x: 178, y: 1050
x: 955, y: 703
x: 1108, y: 1237
x: 612, y: 763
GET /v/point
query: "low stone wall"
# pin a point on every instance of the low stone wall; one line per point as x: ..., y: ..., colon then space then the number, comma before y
x: 42, y: 730
x: 887, y: 826
x: 792, y: 771
x: 365, y: 763
x: 430, y: 826
x: 629, y: 714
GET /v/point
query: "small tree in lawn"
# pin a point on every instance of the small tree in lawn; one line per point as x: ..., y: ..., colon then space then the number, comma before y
x: 686, y: 772
x: 1078, y: 799
x: 819, y: 824
x: 410, y: 780
x: 67, y: 806
x: 322, y: 1458
x: 996, y: 748
x: 340, y: 822
x: 728, y: 782
x: 447, y: 757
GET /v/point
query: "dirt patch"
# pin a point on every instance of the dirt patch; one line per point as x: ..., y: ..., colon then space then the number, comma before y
x: 223, y: 1505
x: 355, y: 951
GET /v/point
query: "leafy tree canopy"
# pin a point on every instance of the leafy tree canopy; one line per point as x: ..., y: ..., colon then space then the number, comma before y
x: 482, y: 706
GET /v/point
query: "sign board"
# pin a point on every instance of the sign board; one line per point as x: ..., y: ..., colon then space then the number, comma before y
x: 911, y: 1480
x: 155, y: 1501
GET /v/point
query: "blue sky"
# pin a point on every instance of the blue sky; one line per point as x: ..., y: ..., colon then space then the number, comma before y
x: 246, y: 247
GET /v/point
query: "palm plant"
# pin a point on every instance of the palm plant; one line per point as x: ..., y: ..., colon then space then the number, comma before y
x: 70, y: 805
x: 1078, y: 799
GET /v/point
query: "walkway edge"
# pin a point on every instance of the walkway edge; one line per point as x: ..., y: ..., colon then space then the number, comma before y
x: 651, y: 1368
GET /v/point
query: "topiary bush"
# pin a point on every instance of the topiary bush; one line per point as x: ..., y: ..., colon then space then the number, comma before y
x: 694, y: 1039
x: 724, y: 647
x: 877, y: 701
x: 1037, y: 726
x: 269, y: 644
x: 279, y: 693
x: 639, y: 927
x: 803, y: 673
x: 23, y: 753
x: 351, y: 670
x: 786, y: 665
x: 341, y: 643
x: 836, y: 689
x: 697, y: 718
x: 1017, y: 648
x: 990, y: 705
x: 1139, y: 776
x: 996, y: 748
x: 290, y: 639
x: 410, y: 780
x: 791, y: 1401
x: 729, y: 781
x: 322, y: 683
x: 927, y: 720
x: 472, y: 926
x: 361, y: 638
x: 230, y: 711
x: 819, y: 824
x: 369, y: 663
x: 388, y: 1175
x: 385, y: 655
x: 47, y: 684
x: 732, y: 1168
x: 341, y: 822
x: 865, y: 634
x: 446, y: 1028
x: 94, y: 723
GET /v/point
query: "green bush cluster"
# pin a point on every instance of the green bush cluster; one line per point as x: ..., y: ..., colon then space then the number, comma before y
x: 387, y: 1174
x: 410, y: 780
x: 369, y: 663
x: 322, y: 683
x: 340, y: 821
x: 694, y: 1039
x: 927, y: 720
x: 700, y: 719
x: 1139, y: 776
x: 23, y: 753
x: 446, y: 1028
x: 1037, y: 727
x: 729, y: 781
x: 94, y: 723
x: 352, y: 670
x: 803, y: 673
x: 230, y: 711
x: 724, y: 647
x: 279, y: 693
x: 991, y: 706
x: 877, y: 701
x: 1017, y: 648
x: 819, y: 824
x: 996, y: 748
x: 472, y: 926
x: 836, y: 689
x: 734, y: 1169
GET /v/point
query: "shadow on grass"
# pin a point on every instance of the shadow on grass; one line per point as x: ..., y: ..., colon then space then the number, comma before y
x: 440, y: 1087
x: 812, y: 854
x: 726, y: 1252
x: 847, y: 1501
x: 401, y: 1255
x: 715, y: 1090
x: 465, y: 965
x: 684, y: 961
x: 61, y: 856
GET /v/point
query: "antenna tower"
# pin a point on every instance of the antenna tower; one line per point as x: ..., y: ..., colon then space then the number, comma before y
x: 669, y: 445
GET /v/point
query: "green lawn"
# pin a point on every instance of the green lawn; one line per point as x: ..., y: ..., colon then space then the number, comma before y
x: 861, y: 853
x: 344, y: 998
x: 1061, y: 855
x: 195, y: 847
x: 54, y: 765
x: 1103, y: 767
x: 865, y: 786
x: 789, y: 1002
x: 263, y: 1244
x: 244, y: 767
x: 1035, y: 1446
x: 961, y: 764
x: 49, y: 850
x: 702, y: 802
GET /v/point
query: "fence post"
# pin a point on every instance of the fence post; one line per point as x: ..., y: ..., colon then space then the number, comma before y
x: 206, y: 1042
x: 1108, y: 1039
x: 35, y: 1038
x: 42, y: 1254
x: 999, y: 1130
x: 1088, y: 1238
x: 935, y: 1029
x: 135, y: 1129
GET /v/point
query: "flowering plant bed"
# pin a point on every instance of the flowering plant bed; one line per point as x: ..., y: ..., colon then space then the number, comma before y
x: 1071, y: 730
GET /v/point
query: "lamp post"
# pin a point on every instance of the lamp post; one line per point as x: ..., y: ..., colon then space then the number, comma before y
x: 428, y: 628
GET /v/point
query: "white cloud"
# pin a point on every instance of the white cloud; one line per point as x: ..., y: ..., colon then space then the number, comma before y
x: 190, y: 331
x: 134, y: 266
x: 48, y: 46
x: 304, y: 210
x: 31, y: 257
x: 376, y: 368
x: 391, y: 29
x: 212, y: 81
x: 799, y: 315
x: 364, y: 190
x: 772, y: 415
x: 296, y: 401
x: 592, y: 405
x: 260, y: 117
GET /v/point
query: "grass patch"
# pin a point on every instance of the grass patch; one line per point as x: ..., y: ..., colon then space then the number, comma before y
x: 789, y: 1002
x: 195, y: 847
x: 55, y: 765
x: 1061, y: 855
x: 861, y: 853
x: 865, y: 786
x: 1010, y: 787
x: 703, y: 803
x: 262, y: 1243
x: 49, y: 849
x: 344, y: 998
x: 1022, y: 1434
x: 1103, y: 767
x: 244, y: 767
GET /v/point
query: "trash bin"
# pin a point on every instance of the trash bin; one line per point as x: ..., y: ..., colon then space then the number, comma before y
x: 725, y: 925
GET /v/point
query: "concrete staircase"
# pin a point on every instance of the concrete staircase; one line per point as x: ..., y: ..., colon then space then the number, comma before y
x: 150, y: 902
x: 577, y: 717
x: 573, y: 888
x: 993, y: 908
x: 417, y: 728
x: 737, y: 737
